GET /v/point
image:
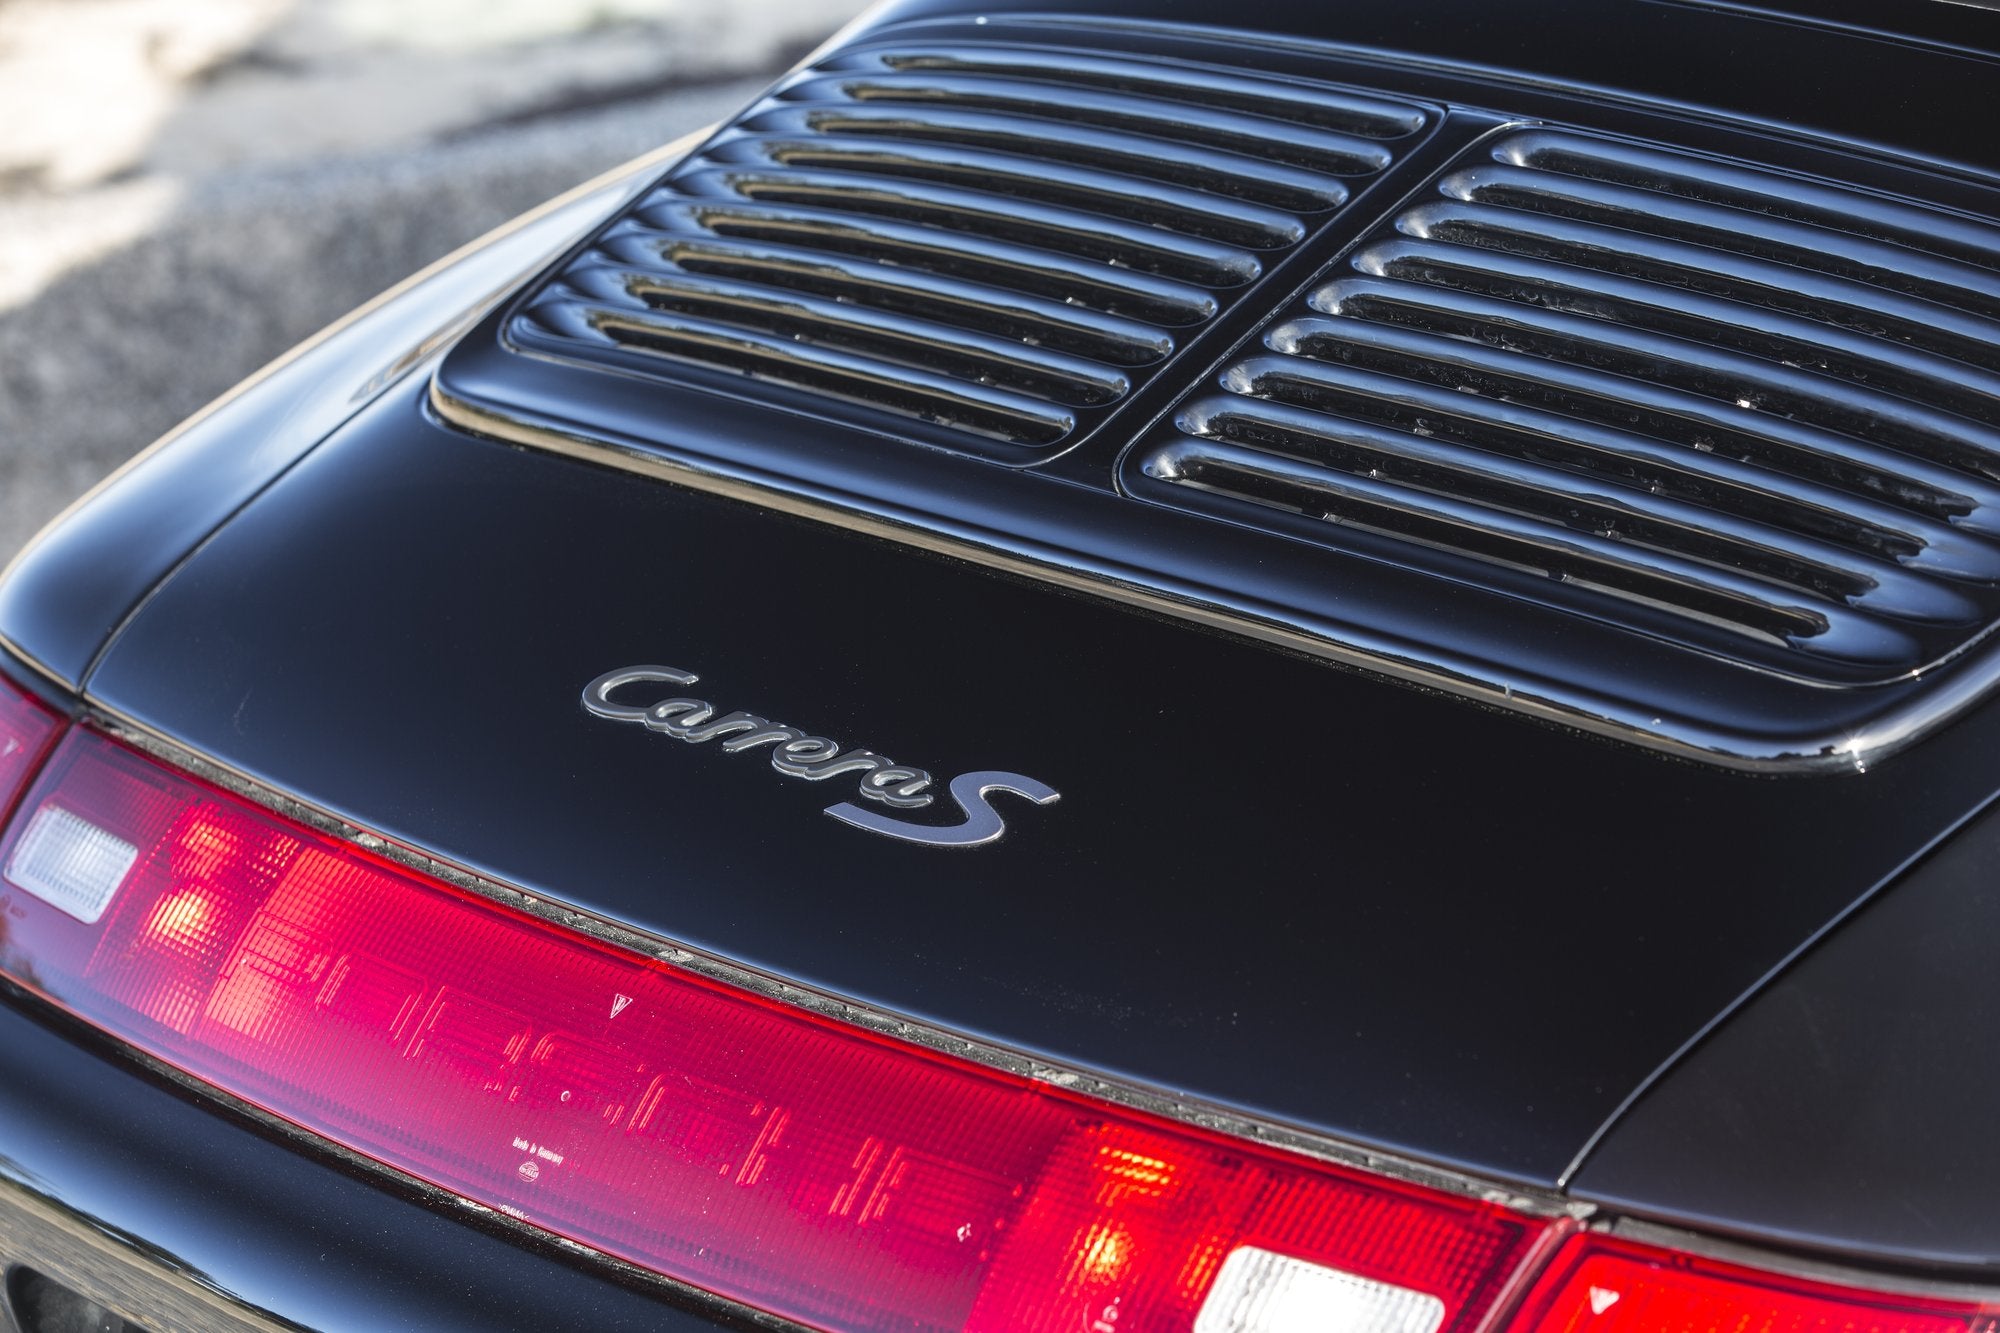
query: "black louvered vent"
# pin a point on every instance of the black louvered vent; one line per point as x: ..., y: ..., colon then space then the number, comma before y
x: 1000, y: 241
x: 1724, y: 404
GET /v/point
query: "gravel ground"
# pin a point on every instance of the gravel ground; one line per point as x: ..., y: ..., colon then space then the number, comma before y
x: 138, y: 282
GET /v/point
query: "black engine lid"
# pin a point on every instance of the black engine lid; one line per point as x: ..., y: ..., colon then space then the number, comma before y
x: 1269, y: 883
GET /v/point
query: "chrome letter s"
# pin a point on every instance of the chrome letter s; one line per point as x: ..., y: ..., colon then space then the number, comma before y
x: 982, y: 824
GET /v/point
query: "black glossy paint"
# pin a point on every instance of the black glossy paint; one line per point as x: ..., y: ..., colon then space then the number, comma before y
x: 1492, y: 628
x: 1307, y: 893
x: 69, y: 589
x: 1754, y: 62
x: 1852, y: 1106
x: 777, y: 247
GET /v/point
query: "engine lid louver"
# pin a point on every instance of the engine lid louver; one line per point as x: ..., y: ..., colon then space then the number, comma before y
x: 1636, y: 431
x: 1722, y: 405
x: 993, y: 243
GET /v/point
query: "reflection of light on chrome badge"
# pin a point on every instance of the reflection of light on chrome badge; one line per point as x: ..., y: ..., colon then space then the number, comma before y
x: 530, y: 1170
x: 816, y: 758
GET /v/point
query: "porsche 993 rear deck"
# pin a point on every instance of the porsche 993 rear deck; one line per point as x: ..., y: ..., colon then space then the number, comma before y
x: 1378, y: 597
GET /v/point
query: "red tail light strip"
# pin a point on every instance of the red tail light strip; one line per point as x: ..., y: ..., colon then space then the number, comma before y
x: 1601, y: 1284
x: 817, y: 1171
x: 827, y: 1174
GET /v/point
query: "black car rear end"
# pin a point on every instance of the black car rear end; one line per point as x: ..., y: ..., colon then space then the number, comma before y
x: 1410, y: 588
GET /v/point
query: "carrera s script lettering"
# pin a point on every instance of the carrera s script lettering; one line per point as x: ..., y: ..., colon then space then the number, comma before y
x: 799, y: 754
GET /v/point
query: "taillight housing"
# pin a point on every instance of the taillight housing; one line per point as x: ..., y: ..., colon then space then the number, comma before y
x: 762, y: 1151
x: 806, y: 1167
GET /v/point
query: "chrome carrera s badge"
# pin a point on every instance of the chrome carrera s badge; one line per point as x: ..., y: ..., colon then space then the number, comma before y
x: 800, y: 754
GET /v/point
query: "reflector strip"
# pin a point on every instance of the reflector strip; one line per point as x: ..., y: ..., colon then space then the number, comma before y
x: 798, y: 1165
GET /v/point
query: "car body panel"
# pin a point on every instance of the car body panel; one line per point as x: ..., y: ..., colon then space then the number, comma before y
x: 1065, y: 514
x: 1300, y: 897
x: 1362, y: 911
x: 1850, y: 1105
x: 1747, y: 62
x: 67, y: 591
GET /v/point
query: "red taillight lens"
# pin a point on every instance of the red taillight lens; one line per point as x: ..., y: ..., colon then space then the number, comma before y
x: 1598, y: 1284
x: 26, y: 728
x: 796, y: 1164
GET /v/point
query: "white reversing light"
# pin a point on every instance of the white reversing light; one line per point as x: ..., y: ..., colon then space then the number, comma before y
x: 70, y: 863
x: 1261, y: 1292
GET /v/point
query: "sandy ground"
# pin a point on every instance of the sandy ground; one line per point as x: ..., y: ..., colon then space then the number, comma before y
x: 187, y: 187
